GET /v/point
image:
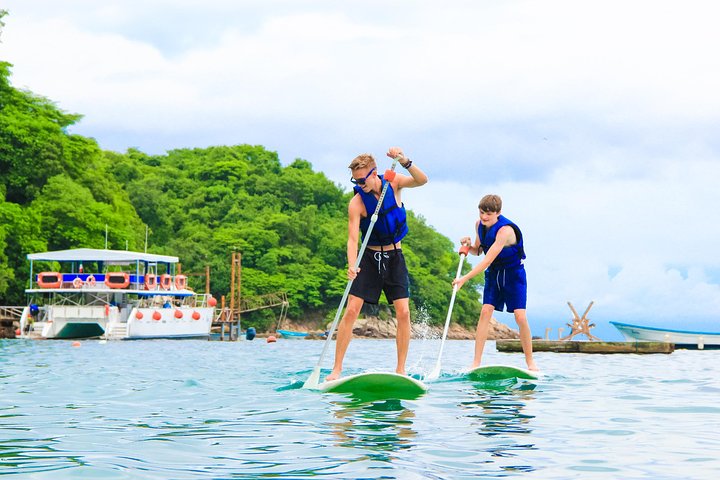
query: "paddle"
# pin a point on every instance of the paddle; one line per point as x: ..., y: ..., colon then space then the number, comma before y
x: 464, y: 249
x: 314, y: 380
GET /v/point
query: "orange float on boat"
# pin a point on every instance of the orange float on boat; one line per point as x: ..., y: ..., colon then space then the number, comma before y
x: 196, y: 315
x: 165, y: 281
x: 49, y: 280
x: 150, y: 281
x: 90, y: 281
x: 139, y: 315
x: 117, y: 279
x: 178, y: 314
x: 77, y: 283
x: 180, y: 282
x: 157, y: 315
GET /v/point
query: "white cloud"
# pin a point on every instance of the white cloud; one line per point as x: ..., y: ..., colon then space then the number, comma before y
x: 594, y: 120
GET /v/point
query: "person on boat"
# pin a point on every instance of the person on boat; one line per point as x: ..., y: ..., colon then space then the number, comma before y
x: 505, y: 280
x: 382, y: 266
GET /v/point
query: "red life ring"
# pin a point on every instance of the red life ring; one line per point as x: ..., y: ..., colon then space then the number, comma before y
x: 77, y: 283
x: 49, y: 280
x: 180, y: 282
x: 150, y: 281
x: 90, y: 281
x: 117, y: 279
x: 165, y: 281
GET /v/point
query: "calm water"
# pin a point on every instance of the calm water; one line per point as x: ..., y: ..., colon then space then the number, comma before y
x: 198, y: 409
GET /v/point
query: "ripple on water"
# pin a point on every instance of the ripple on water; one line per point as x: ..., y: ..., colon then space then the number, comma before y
x: 162, y: 409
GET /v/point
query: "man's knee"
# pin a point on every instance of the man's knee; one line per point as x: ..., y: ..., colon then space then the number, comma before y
x: 402, y: 309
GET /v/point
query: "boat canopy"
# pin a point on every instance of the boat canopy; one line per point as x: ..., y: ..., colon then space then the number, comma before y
x: 116, y: 257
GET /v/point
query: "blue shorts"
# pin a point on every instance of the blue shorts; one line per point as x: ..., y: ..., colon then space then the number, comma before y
x: 506, y: 287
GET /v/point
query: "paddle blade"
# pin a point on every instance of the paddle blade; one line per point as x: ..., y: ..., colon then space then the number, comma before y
x: 314, y: 380
x: 435, y: 374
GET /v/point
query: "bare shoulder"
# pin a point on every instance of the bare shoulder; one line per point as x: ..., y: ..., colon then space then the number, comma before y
x: 507, y: 233
x: 356, y: 206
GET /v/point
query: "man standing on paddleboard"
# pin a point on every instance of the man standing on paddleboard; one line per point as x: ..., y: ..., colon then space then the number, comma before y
x: 505, y: 282
x: 382, y: 266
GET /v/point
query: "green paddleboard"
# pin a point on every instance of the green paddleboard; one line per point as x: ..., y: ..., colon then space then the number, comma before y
x: 376, y: 385
x: 489, y: 373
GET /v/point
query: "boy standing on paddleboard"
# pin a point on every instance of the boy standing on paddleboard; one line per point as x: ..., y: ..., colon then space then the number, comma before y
x: 505, y: 282
x: 382, y: 266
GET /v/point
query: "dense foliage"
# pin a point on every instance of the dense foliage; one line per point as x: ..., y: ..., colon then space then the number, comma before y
x: 59, y: 190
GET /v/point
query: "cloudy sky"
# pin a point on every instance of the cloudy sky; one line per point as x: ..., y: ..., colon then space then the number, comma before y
x: 596, y: 121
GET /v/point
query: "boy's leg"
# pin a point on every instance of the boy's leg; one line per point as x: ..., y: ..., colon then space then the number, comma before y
x: 481, y: 332
x: 525, y: 337
x: 402, y: 339
x: 344, y: 334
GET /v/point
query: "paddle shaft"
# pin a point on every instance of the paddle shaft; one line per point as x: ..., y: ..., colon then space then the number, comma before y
x: 314, y: 379
x: 436, y: 372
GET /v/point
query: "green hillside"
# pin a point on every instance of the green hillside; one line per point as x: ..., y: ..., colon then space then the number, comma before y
x: 59, y: 190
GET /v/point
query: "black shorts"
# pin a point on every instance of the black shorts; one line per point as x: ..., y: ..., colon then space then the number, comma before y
x: 381, y: 272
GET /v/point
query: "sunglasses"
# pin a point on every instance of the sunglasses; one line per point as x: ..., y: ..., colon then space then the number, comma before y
x: 361, y: 181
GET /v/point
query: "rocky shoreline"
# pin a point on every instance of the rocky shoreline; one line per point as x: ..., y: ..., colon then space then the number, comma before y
x: 374, y: 327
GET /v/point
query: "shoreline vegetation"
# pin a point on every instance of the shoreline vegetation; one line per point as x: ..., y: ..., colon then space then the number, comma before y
x: 283, y: 220
x: 375, y: 327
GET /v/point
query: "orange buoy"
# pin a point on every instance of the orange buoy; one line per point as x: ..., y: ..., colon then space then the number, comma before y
x: 180, y: 282
x: 75, y: 344
x: 165, y: 281
x: 90, y: 281
x: 178, y: 314
x: 271, y: 339
x: 212, y: 302
x: 49, y: 280
x: 17, y: 332
x: 157, y: 315
x: 196, y: 315
x: 139, y: 315
x: 117, y: 279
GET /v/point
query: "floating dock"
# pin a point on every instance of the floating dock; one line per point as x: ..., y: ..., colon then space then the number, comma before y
x: 571, y: 346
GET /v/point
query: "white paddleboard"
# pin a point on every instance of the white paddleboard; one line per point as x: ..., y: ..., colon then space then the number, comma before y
x: 489, y: 373
x: 377, y: 385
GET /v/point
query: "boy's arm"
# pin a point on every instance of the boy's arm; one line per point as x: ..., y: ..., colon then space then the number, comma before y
x: 475, y: 247
x: 504, y: 235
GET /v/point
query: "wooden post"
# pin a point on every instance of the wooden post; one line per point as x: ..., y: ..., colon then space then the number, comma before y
x: 237, y: 267
x: 232, y: 288
x: 207, y: 278
x: 222, y: 318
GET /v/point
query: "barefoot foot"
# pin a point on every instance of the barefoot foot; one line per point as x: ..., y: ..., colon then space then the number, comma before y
x: 333, y: 376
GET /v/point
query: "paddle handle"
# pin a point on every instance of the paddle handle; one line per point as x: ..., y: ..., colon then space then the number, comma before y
x: 314, y: 379
x: 436, y: 371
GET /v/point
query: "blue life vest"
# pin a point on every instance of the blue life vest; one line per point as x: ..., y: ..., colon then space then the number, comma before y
x: 391, y: 225
x: 508, y: 257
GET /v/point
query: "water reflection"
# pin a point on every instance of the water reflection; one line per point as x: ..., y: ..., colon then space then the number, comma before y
x: 380, y: 428
x: 497, y: 411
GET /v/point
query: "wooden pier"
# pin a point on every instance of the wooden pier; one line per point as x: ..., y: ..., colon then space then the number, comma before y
x: 572, y: 346
x: 9, y: 321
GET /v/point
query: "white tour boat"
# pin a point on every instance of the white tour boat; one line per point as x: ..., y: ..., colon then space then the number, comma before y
x: 131, y: 295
